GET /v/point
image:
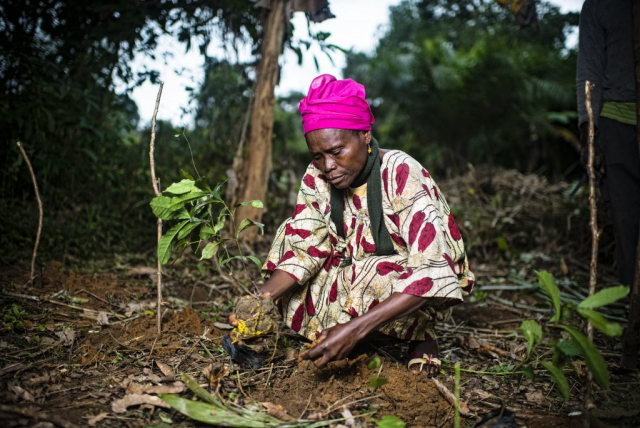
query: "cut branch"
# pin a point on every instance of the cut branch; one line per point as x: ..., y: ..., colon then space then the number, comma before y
x: 595, y: 235
x: 155, y: 182
x: 40, y: 212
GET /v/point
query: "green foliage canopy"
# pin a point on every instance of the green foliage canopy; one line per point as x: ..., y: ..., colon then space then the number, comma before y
x: 457, y: 82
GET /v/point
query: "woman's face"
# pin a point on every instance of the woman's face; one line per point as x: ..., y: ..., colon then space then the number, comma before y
x: 339, y: 153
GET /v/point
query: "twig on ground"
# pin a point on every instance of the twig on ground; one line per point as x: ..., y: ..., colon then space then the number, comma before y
x: 156, y: 188
x: 450, y: 397
x: 93, y: 314
x: 40, y: 212
x: 595, y: 236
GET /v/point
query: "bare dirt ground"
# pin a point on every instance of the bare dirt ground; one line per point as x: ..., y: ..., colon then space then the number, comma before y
x: 91, y: 340
x: 80, y: 346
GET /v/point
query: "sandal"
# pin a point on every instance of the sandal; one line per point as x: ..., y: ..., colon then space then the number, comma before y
x: 425, y: 360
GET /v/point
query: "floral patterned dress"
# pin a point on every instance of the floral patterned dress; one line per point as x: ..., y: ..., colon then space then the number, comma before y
x: 342, y: 278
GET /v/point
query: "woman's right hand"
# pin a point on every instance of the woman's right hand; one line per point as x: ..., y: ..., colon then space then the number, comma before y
x: 233, y: 320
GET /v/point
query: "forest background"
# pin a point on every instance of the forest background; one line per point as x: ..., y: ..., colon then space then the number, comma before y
x: 456, y: 87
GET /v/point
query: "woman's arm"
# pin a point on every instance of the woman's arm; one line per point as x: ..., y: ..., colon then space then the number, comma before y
x: 337, y: 342
x: 278, y: 284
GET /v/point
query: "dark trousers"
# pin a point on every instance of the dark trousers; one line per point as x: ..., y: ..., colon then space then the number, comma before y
x: 621, y: 187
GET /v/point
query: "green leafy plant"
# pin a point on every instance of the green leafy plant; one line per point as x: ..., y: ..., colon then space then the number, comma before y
x: 13, y: 317
x: 575, y: 343
x: 389, y: 421
x: 200, y: 216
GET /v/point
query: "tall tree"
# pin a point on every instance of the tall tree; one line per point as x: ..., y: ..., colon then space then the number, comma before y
x: 256, y: 163
x: 253, y: 171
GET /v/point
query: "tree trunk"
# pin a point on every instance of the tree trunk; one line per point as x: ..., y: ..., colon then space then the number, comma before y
x: 256, y: 164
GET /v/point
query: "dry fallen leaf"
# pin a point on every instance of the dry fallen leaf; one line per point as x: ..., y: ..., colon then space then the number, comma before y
x: 277, y: 411
x: 289, y: 354
x: 20, y: 391
x: 103, y: 319
x: 472, y: 343
x: 174, y: 388
x: 67, y: 336
x: 141, y: 271
x: 136, y: 307
x: 165, y: 369
x: 536, y: 397
x: 214, y: 372
x: 97, y: 418
x: 349, y: 421
x: 121, y: 405
x: 480, y: 393
x: 223, y: 326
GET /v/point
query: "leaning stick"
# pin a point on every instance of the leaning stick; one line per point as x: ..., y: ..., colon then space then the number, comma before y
x: 595, y: 234
x: 35, y: 187
x: 155, y: 182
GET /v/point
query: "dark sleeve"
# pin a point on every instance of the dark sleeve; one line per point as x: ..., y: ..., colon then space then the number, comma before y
x: 591, y: 60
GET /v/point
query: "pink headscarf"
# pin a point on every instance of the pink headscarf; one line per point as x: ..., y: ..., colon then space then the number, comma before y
x: 333, y: 103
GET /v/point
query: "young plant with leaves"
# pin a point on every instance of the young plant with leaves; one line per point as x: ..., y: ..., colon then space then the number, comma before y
x: 574, y: 343
x: 201, y: 215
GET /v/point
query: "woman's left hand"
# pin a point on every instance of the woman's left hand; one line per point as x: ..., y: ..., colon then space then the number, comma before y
x: 332, y: 344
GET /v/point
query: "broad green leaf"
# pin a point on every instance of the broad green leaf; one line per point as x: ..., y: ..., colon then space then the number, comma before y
x: 594, y: 360
x: 181, y: 200
x: 377, y: 382
x: 181, y: 187
x: 206, y: 232
x: 164, y: 246
x: 548, y: 284
x: 163, y: 209
x: 220, y: 224
x: 246, y: 223
x: 256, y: 261
x: 390, y: 421
x: 255, y: 203
x: 202, y: 393
x: 532, y: 332
x: 558, y: 378
x: 605, y: 297
x: 568, y: 347
x: 375, y: 363
x: 185, y: 231
x: 610, y: 328
x: 209, y: 250
x: 209, y: 414
x: 225, y: 261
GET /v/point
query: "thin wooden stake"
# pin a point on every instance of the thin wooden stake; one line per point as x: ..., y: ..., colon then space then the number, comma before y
x: 155, y: 182
x: 35, y: 188
x: 595, y: 237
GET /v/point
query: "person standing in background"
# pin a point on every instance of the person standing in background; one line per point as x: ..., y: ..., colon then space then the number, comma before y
x: 605, y: 58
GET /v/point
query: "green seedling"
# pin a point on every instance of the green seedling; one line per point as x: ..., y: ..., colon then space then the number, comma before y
x: 574, y: 343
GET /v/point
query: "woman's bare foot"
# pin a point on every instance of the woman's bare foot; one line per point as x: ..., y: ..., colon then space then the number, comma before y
x: 423, y: 357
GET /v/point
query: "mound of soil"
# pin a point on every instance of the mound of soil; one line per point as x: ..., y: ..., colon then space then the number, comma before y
x: 412, y: 398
